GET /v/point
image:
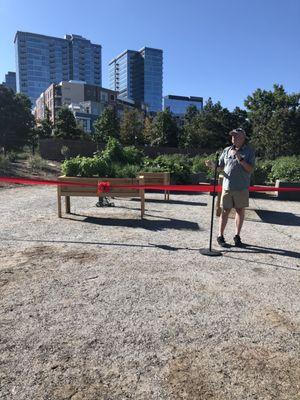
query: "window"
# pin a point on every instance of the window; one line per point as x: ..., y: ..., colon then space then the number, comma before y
x: 103, y: 96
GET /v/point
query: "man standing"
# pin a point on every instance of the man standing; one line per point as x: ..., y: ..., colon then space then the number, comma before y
x: 237, y: 162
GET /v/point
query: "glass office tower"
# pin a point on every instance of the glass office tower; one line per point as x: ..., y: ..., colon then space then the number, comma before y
x: 178, y: 105
x: 42, y: 60
x: 137, y: 75
x: 152, y: 78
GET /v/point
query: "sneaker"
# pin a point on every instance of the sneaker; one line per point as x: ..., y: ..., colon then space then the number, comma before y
x: 238, y: 242
x: 221, y: 241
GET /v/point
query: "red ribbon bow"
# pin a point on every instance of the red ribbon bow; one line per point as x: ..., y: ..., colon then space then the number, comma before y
x: 103, y: 187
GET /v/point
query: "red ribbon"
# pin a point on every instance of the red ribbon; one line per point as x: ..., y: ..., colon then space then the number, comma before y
x: 105, y: 187
x: 27, y: 181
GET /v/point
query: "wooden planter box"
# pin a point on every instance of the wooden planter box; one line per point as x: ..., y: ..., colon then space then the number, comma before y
x: 157, y: 178
x: 86, y: 191
x: 287, y: 195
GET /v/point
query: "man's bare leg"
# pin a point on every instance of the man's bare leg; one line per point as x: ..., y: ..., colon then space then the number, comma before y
x: 223, y: 221
x: 239, y: 219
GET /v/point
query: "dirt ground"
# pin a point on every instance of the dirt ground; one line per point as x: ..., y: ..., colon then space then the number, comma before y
x: 22, y: 168
x: 102, y: 305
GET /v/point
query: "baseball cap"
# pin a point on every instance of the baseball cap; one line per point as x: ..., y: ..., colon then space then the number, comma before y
x: 237, y: 131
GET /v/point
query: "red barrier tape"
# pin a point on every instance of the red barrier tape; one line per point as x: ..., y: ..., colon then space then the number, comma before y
x: 199, y: 188
x: 25, y: 181
x: 104, y: 187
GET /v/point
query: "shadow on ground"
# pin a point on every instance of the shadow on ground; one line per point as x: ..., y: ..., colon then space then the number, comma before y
x: 151, y: 225
x: 264, y: 250
x: 149, y: 245
x: 181, y: 202
x: 278, y: 217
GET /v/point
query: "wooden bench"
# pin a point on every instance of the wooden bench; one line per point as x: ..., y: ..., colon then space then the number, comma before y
x: 68, y: 191
x: 158, y: 178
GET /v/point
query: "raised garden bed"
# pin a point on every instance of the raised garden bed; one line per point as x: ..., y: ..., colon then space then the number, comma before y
x: 68, y: 191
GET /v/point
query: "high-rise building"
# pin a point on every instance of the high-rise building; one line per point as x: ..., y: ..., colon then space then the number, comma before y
x: 138, y: 76
x: 10, y: 80
x: 179, y: 104
x: 42, y: 60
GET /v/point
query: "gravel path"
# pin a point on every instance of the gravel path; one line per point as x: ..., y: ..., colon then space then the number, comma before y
x: 101, y: 305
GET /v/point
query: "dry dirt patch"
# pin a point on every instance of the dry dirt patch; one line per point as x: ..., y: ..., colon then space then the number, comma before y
x: 239, y: 372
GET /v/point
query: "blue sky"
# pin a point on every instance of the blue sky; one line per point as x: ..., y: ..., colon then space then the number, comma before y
x: 223, y: 49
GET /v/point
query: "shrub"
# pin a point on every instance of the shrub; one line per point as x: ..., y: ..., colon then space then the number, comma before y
x: 25, y: 153
x: 4, y: 163
x: 87, y: 167
x: 126, y: 171
x: 199, y: 165
x: 132, y: 155
x: 36, y: 163
x: 71, y: 167
x: 262, y: 172
x: 113, y: 151
x: 12, y: 156
x: 65, y: 152
x: 94, y: 166
x: 177, y: 164
x: 286, y: 169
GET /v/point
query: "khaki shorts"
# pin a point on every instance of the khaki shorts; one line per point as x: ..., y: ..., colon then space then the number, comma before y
x: 234, y: 199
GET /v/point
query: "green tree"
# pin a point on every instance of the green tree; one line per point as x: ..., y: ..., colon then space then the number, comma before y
x: 189, y: 134
x: 239, y: 119
x: 33, y: 138
x: 131, y: 128
x: 148, y: 134
x: 106, y: 126
x: 275, y: 119
x: 66, y: 126
x: 165, y: 130
x: 45, y: 126
x: 16, y: 119
x: 212, y: 125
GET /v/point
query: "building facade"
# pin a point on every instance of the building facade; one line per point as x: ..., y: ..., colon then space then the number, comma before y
x: 76, y: 95
x: 138, y: 76
x: 10, y: 81
x: 86, y: 113
x: 42, y: 60
x: 179, y: 104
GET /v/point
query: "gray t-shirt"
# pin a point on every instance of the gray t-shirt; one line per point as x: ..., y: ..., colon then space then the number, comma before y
x: 235, y: 176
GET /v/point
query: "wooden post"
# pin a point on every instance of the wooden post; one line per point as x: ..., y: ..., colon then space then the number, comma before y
x: 167, y: 182
x: 59, y: 201
x: 142, y: 195
x: 68, y: 204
